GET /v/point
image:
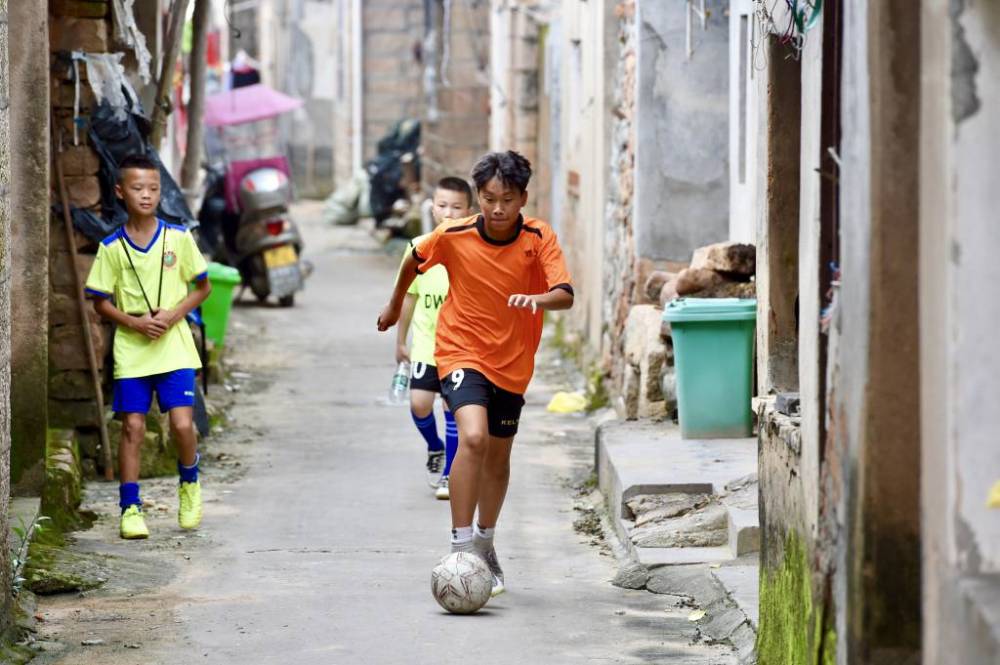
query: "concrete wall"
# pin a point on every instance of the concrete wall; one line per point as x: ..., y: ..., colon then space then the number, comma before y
x: 960, y: 126
x: 682, y: 150
x: 308, y: 70
x: 871, y: 450
x: 29, y: 117
x: 342, y: 119
x: 586, y: 32
x: 5, y: 277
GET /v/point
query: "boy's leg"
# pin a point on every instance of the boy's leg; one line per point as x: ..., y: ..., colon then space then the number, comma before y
x: 132, y: 399
x: 504, y: 415
x: 424, y: 385
x: 133, y: 433
x: 473, y: 443
x: 494, y: 477
x: 184, y: 434
x: 175, y: 392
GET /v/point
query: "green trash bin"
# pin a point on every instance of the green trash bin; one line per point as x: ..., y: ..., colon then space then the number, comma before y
x: 713, y: 358
x: 215, y: 310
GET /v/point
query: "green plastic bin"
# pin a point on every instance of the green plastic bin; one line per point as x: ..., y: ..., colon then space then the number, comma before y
x: 713, y: 351
x: 215, y: 310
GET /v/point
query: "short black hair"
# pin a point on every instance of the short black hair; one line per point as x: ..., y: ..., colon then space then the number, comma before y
x: 137, y: 161
x: 453, y: 184
x: 511, y: 168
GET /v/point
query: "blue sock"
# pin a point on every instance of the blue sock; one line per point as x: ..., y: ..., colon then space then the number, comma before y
x: 428, y: 429
x: 128, y: 495
x: 450, y: 440
x: 189, y: 474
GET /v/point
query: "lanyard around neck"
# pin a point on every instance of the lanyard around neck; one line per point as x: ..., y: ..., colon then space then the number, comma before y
x: 163, y: 256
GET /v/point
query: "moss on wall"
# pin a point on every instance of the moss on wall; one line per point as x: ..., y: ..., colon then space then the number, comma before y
x: 792, y: 627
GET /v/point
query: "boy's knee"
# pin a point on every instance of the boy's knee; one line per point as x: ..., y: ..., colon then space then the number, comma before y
x: 475, y: 441
x: 181, y: 420
x: 133, y: 427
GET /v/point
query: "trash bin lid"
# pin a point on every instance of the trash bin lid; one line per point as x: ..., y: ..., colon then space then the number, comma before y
x: 221, y: 274
x: 683, y: 310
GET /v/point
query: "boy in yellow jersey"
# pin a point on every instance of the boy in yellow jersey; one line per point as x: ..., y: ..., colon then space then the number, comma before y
x: 140, y: 281
x: 423, y: 300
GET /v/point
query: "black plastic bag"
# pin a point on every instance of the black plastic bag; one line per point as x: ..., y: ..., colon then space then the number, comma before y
x: 113, y: 140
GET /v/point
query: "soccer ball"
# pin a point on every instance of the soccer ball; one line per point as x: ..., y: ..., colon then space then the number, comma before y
x: 461, y: 583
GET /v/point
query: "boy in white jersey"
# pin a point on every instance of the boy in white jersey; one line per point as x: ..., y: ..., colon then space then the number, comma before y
x: 452, y: 200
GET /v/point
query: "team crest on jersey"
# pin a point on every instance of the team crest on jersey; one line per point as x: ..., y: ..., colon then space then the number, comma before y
x: 169, y: 259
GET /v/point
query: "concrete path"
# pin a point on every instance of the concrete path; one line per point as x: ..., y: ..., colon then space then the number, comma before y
x: 322, y: 552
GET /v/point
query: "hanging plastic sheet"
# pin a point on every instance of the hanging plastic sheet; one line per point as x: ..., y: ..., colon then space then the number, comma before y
x: 127, y: 32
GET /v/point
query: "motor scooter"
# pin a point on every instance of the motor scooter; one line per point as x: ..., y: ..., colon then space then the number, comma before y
x: 247, y: 192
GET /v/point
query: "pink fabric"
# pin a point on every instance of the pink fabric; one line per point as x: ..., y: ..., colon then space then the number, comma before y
x: 254, y: 102
x: 238, y: 169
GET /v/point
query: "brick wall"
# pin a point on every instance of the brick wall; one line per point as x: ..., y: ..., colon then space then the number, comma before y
x: 392, y: 73
x: 73, y: 25
x: 458, y: 133
x: 620, y: 258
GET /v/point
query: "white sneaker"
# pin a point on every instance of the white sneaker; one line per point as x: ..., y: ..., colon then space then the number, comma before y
x: 442, y: 489
x: 435, y: 460
x: 489, y: 555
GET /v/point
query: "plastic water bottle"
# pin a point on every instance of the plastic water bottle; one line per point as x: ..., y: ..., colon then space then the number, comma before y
x: 400, y: 388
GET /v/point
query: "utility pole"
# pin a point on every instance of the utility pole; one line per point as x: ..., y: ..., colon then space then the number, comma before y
x: 196, y: 103
x: 162, y: 106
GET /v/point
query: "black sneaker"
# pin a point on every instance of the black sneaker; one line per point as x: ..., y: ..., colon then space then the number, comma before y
x: 435, y: 460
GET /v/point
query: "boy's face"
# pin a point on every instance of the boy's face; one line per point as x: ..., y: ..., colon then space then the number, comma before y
x: 501, y: 204
x: 140, y: 189
x: 449, y: 204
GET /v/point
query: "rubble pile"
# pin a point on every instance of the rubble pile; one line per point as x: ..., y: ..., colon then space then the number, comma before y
x: 722, y: 270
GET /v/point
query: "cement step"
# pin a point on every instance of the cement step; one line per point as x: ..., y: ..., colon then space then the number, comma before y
x: 641, y: 457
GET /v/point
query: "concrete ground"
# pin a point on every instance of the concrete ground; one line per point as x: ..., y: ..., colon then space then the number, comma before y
x: 320, y: 532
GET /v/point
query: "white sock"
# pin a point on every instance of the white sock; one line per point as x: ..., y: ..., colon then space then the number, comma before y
x: 484, y: 533
x: 461, y: 539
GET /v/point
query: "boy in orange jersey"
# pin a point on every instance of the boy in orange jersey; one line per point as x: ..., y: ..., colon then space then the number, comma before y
x: 504, y: 270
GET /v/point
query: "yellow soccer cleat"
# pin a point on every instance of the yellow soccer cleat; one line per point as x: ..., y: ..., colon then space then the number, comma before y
x: 133, y: 524
x: 189, y: 513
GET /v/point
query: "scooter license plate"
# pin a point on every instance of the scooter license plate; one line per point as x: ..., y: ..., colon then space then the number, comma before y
x: 279, y: 257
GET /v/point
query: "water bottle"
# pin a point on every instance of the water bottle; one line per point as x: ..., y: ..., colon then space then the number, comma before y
x: 400, y: 387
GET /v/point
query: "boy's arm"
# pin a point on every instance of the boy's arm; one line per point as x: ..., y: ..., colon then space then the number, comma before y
x: 390, y: 313
x: 171, y: 317
x: 145, y: 324
x: 556, y: 299
x: 553, y: 264
x: 405, y: 318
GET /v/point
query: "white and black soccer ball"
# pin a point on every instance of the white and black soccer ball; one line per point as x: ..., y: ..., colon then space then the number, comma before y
x: 461, y: 583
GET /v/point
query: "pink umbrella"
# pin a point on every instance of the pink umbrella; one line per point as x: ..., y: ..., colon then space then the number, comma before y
x: 253, y: 102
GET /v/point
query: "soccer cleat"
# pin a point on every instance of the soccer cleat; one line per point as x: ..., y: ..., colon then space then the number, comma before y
x: 442, y: 489
x: 189, y: 513
x: 435, y: 460
x: 133, y: 524
x: 490, y: 557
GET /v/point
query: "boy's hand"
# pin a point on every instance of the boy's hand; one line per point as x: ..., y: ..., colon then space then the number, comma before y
x: 521, y: 301
x: 402, y: 354
x: 165, y: 316
x: 388, y: 317
x: 149, y: 326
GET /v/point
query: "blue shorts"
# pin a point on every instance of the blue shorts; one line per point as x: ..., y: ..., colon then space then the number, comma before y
x: 173, y: 389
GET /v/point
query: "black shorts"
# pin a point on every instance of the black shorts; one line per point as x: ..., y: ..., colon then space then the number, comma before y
x: 424, y: 377
x: 503, y: 408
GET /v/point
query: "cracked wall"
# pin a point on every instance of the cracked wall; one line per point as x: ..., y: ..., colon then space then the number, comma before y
x: 682, y: 131
x: 960, y: 126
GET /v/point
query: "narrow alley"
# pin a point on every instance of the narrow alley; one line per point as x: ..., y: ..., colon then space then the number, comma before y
x: 322, y: 550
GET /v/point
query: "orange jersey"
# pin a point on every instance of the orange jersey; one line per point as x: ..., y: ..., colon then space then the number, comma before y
x: 476, y: 328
